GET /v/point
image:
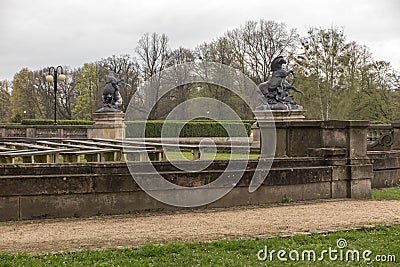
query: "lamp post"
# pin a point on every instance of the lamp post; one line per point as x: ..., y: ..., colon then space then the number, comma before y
x: 53, y: 77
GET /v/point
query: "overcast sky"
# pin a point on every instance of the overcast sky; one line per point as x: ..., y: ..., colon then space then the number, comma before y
x: 37, y: 33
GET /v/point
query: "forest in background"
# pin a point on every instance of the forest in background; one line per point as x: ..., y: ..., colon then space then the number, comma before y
x: 340, y: 78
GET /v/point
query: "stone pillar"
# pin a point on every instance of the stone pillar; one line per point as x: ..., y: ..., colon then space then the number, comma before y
x: 361, y: 168
x: 31, y: 132
x: 341, y: 144
x: 273, y: 123
x: 352, y: 136
x: 108, y: 125
x: 255, y: 143
x: 396, y: 136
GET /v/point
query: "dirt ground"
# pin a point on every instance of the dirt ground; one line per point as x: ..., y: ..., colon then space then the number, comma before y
x: 133, y: 230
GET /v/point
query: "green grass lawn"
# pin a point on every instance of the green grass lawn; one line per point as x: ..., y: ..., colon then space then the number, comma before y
x: 386, y: 194
x: 381, y: 240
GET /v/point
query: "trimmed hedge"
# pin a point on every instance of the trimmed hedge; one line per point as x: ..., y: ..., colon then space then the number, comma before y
x: 249, y: 121
x: 193, y: 128
x: 59, y: 122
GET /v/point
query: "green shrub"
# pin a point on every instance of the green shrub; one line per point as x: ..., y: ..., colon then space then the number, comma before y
x: 59, y: 122
x: 195, y: 128
x: 249, y: 121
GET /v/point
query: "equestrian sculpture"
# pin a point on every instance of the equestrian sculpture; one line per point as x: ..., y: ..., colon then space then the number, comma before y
x: 275, y: 91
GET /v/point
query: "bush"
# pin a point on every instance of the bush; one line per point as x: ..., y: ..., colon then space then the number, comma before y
x: 193, y: 128
x: 249, y: 121
x: 59, y: 122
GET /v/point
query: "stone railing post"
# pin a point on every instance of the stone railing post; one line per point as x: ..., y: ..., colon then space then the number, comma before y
x: 89, y: 132
x: 31, y: 132
x: 352, y: 136
x: 256, y: 135
x: 396, y: 136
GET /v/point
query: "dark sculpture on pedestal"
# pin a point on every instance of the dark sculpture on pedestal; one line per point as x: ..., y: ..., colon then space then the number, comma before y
x: 111, y: 97
x: 275, y: 91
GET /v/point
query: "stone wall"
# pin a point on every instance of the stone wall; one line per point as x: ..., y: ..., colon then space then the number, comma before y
x: 34, y: 191
x: 386, y: 166
x: 314, y: 160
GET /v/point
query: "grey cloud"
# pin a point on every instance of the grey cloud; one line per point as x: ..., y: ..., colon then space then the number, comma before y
x: 40, y: 33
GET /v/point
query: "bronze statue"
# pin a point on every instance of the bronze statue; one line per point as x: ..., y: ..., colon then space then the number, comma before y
x: 111, y: 97
x: 275, y: 91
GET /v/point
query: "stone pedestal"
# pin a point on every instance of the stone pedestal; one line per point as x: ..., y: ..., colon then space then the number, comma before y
x: 267, y: 120
x: 108, y: 125
x: 339, y: 144
x: 279, y: 115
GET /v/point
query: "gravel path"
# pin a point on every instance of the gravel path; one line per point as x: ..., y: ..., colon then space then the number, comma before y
x: 134, y: 230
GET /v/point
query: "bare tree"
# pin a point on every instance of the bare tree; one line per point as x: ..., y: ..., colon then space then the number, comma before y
x: 66, y: 93
x: 262, y: 42
x: 220, y: 51
x: 153, y: 53
x: 180, y: 55
x: 176, y: 78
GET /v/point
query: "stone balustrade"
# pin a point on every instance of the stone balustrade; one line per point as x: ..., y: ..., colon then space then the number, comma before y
x: 46, y: 131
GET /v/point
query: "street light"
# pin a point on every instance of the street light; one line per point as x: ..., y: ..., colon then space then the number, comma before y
x: 53, y: 77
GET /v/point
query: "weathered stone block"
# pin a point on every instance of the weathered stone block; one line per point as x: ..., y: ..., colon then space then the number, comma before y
x: 334, y: 137
x: 113, y: 183
x: 348, y: 134
x: 256, y: 142
x: 361, y: 171
x: 340, y: 173
x: 396, y: 136
x: 360, y: 188
x: 357, y: 147
x: 23, y: 185
x: 9, y: 208
x: 108, y: 125
x: 300, y: 139
x: 59, y: 206
x: 46, y: 169
x: 281, y: 142
x: 386, y: 178
x: 340, y: 189
x: 385, y: 159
